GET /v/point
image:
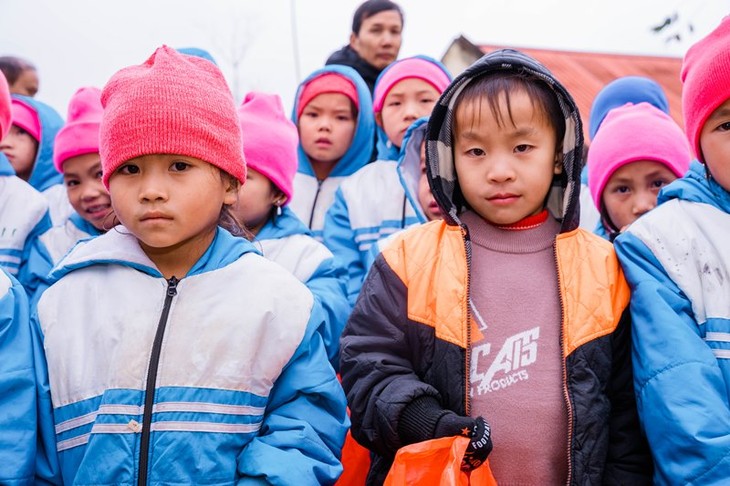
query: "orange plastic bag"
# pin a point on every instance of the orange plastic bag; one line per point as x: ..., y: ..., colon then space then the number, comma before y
x: 436, y: 462
x: 355, y: 463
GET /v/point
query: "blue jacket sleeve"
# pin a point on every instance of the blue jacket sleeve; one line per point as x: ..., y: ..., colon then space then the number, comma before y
x: 36, y: 268
x: 305, y: 422
x: 340, y: 239
x: 24, y: 273
x: 17, y: 386
x: 682, y: 397
x: 327, y: 284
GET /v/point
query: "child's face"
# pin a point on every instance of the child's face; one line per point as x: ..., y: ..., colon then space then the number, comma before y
x: 255, y: 200
x: 632, y: 190
x: 406, y: 102
x: 715, y: 144
x: 20, y: 148
x: 86, y: 191
x: 425, y: 197
x: 26, y: 84
x: 171, y: 203
x: 326, y: 128
x: 505, y: 170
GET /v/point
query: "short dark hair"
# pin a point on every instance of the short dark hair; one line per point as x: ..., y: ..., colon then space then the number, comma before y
x: 373, y: 7
x: 12, y: 67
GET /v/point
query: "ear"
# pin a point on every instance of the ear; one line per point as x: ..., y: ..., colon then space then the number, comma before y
x: 558, y: 168
x: 353, y: 40
x: 231, y: 186
x: 379, y: 119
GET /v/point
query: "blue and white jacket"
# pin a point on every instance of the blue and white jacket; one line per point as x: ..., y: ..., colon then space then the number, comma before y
x: 290, y: 244
x: 218, y: 378
x: 17, y: 387
x: 312, y: 197
x: 23, y: 216
x: 44, y: 177
x: 677, y: 261
x: 50, y: 247
x: 376, y: 201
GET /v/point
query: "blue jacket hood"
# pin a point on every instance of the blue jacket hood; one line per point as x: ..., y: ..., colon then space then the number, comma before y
x: 286, y: 224
x: 5, y: 168
x: 386, y: 149
x: 358, y: 154
x: 119, y: 246
x: 84, y: 225
x: 44, y: 173
x: 409, y: 164
x: 696, y: 187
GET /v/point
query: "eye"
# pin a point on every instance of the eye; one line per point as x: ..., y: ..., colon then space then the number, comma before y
x: 128, y: 169
x: 621, y: 189
x: 522, y: 148
x: 394, y: 103
x: 659, y: 183
x: 724, y: 127
x: 428, y: 100
x: 344, y: 118
x: 179, y: 166
x: 310, y: 114
x: 475, y: 152
x: 99, y: 175
x: 72, y: 183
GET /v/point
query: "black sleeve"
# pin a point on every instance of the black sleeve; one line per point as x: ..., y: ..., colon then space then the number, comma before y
x: 629, y: 458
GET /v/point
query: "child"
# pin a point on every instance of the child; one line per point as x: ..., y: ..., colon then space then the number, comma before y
x: 29, y: 147
x: 76, y: 156
x: 677, y: 261
x: 505, y: 316
x: 17, y: 386
x: 626, y: 89
x: 333, y: 114
x: 23, y: 210
x: 270, y: 144
x: 21, y: 75
x: 638, y: 150
x: 404, y: 92
x: 175, y: 353
x: 375, y: 202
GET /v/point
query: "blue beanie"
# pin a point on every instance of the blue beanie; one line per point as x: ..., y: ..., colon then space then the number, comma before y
x: 197, y: 52
x: 628, y: 89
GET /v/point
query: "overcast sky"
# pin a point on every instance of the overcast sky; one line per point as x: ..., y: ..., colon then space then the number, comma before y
x: 78, y: 43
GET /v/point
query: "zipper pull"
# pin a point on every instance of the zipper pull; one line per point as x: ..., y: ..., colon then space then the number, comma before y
x: 172, y: 286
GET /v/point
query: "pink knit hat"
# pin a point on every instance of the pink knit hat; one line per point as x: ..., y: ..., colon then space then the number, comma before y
x: 171, y: 104
x: 411, y: 67
x: 26, y: 118
x: 5, y: 110
x: 631, y: 133
x: 706, y: 78
x: 80, y: 135
x: 270, y: 139
x: 327, y: 83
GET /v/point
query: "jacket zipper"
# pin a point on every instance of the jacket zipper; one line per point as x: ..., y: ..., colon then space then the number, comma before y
x: 564, y: 365
x: 467, y: 349
x: 149, y: 397
x: 314, y: 203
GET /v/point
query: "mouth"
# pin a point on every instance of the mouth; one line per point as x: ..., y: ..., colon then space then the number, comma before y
x: 98, y: 211
x: 323, y: 142
x: 155, y: 216
x: 503, y: 198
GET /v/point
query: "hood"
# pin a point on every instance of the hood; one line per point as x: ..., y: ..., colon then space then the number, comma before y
x: 563, y: 198
x: 358, y: 154
x: 385, y: 148
x: 84, y: 225
x: 409, y: 164
x: 5, y: 168
x: 44, y: 173
x: 120, y: 247
x: 286, y: 224
x: 696, y: 187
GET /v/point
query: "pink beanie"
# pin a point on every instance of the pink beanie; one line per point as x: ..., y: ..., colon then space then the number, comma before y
x: 327, y: 83
x: 411, y: 67
x: 5, y: 110
x: 171, y: 104
x: 270, y: 139
x: 80, y: 135
x: 26, y: 118
x: 706, y: 78
x: 632, y: 133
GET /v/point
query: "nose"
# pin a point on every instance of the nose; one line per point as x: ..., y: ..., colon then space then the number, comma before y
x: 325, y: 124
x: 644, y: 202
x: 152, y: 188
x: 91, y: 191
x: 412, y: 110
x: 500, y: 170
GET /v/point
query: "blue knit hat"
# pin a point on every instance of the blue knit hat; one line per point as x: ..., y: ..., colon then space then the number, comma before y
x: 628, y: 89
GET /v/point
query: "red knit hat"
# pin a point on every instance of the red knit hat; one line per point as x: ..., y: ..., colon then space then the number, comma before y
x: 80, y: 134
x: 327, y: 83
x: 270, y: 140
x: 171, y: 104
x: 5, y: 110
x: 706, y: 78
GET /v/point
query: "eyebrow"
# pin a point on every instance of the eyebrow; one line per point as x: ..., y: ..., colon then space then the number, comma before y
x: 721, y: 113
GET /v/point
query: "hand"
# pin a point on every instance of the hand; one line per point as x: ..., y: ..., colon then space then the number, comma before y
x: 479, y: 446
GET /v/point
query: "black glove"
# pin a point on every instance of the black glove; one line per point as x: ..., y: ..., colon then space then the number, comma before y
x: 478, y: 431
